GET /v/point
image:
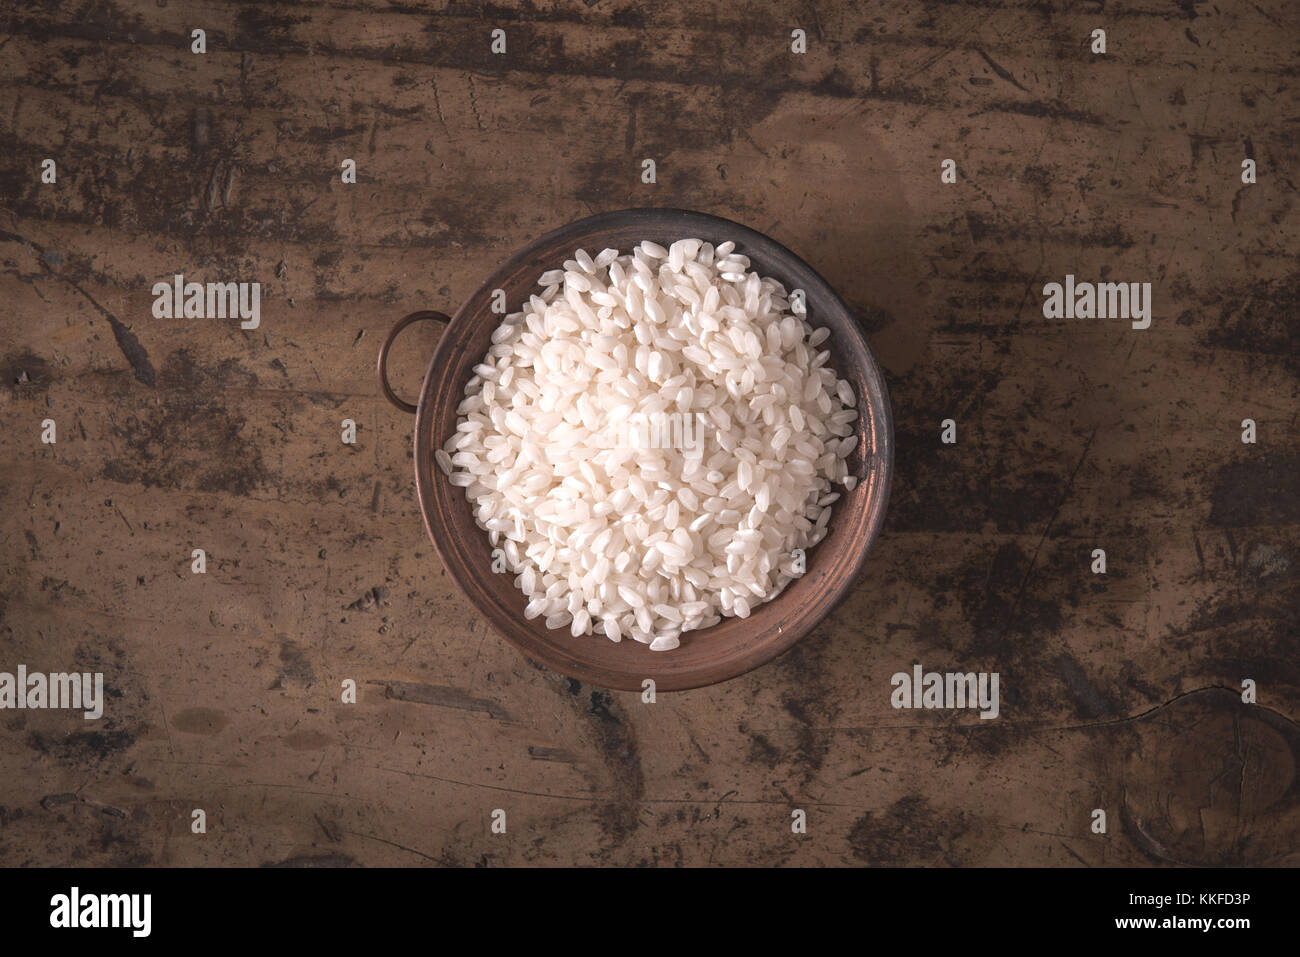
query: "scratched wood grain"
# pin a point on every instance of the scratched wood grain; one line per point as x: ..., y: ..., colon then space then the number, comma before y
x: 1119, y: 692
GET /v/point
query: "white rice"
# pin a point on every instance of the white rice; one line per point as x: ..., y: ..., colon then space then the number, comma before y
x: 612, y: 534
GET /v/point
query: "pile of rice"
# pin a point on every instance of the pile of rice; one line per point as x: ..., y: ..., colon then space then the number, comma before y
x: 606, y: 529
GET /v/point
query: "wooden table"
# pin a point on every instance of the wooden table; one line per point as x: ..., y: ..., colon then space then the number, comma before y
x: 1120, y: 692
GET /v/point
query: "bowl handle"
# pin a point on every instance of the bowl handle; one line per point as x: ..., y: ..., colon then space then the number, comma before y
x: 382, y: 364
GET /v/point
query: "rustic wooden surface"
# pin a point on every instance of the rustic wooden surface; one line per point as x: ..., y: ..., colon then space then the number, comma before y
x: 1119, y: 692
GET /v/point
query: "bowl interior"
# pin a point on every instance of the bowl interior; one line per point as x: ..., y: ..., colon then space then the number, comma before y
x: 735, y: 645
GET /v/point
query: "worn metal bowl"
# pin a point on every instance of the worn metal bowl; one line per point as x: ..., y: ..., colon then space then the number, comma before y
x: 710, y: 655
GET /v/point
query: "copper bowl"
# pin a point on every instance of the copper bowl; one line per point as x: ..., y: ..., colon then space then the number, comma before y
x: 709, y: 655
